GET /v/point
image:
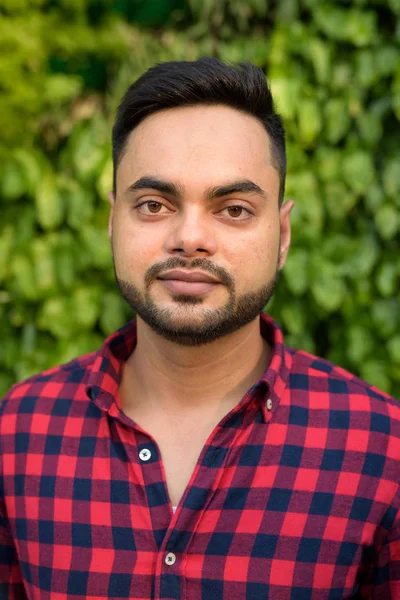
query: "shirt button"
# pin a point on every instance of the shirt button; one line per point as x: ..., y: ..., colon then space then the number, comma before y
x: 145, y: 454
x: 170, y: 559
x: 269, y: 404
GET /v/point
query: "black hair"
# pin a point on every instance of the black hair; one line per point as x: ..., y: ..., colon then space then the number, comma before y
x: 204, y: 81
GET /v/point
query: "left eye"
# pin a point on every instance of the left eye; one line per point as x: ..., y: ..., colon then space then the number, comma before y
x: 237, y: 212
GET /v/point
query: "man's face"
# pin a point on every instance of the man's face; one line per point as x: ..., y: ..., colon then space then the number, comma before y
x: 196, y: 191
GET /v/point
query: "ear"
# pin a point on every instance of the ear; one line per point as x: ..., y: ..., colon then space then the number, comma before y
x: 284, y: 217
x: 111, y: 198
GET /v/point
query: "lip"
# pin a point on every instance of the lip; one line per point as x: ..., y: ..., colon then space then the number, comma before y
x: 188, y: 276
x: 188, y: 288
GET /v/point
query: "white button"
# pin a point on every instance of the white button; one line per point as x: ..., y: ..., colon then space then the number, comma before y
x: 269, y: 404
x: 145, y: 454
x: 170, y: 559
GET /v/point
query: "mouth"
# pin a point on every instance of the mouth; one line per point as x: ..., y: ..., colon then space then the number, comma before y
x: 188, y: 288
x: 189, y: 283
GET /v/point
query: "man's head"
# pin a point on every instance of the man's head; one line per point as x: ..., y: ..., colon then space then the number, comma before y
x: 199, y: 171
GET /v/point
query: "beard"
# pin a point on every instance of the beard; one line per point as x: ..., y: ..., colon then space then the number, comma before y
x: 183, y: 324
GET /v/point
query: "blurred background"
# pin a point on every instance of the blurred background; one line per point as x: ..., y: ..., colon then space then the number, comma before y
x: 334, y: 67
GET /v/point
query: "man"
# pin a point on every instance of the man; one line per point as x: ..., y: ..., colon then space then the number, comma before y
x: 194, y: 455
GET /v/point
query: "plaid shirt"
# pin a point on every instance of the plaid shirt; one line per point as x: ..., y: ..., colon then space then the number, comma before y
x: 294, y: 496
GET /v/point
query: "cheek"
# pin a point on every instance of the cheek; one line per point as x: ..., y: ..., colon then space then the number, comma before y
x: 255, y: 258
x: 134, y: 249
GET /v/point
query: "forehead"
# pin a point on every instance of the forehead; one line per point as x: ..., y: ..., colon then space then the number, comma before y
x: 204, y: 142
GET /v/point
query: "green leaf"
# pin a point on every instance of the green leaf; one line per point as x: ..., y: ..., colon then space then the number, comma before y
x: 79, y: 345
x: 321, y: 56
x: 6, y: 244
x: 285, y: 92
x: 375, y: 373
x: 393, y: 347
x: 387, y: 221
x: 391, y: 178
x: 55, y: 315
x: 49, y: 203
x: 9, y: 351
x: 386, y: 316
x: 87, y: 148
x: 304, y: 341
x: 308, y: 214
x: 360, y: 343
x: 31, y: 165
x: 293, y: 317
x: 358, y: 170
x: 85, y: 304
x: 64, y: 255
x: 98, y: 245
x: 395, y: 6
x: 44, y: 267
x: 327, y: 287
x: 363, y: 293
x: 23, y: 276
x: 362, y: 260
x: 336, y: 248
x: 6, y: 381
x: 386, y: 279
x: 105, y: 180
x: 28, y: 338
x: 77, y: 201
x: 373, y: 198
x: 346, y: 24
x: 370, y: 126
x: 339, y: 199
x: 329, y: 162
x: 61, y: 88
x: 112, y: 312
x: 296, y: 271
x: 12, y: 181
x: 386, y: 59
x: 309, y: 120
x: 366, y: 68
x: 337, y: 119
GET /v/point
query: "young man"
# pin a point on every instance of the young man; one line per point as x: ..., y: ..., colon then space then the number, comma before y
x: 194, y: 456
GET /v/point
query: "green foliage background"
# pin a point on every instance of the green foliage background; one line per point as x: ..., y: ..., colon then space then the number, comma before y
x: 334, y: 67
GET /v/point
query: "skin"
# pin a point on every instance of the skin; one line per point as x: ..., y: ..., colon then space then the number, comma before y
x: 180, y: 365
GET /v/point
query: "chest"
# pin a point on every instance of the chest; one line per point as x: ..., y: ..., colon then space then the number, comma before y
x: 180, y: 449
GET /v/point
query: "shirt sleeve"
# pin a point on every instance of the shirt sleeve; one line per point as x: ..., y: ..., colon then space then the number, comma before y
x: 387, y: 575
x: 11, y: 584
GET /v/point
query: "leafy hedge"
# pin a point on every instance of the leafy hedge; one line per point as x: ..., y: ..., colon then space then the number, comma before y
x: 334, y: 67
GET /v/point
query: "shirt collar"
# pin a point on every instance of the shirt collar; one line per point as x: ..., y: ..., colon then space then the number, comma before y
x: 105, y: 373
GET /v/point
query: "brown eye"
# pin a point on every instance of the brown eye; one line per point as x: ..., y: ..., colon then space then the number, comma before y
x: 150, y: 207
x: 153, y: 206
x: 235, y: 211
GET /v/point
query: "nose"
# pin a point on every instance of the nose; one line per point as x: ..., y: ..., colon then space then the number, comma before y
x: 191, y: 233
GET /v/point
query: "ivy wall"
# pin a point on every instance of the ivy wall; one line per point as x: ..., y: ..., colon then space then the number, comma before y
x: 334, y: 67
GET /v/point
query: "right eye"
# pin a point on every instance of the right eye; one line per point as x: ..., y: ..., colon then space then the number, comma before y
x: 153, y: 207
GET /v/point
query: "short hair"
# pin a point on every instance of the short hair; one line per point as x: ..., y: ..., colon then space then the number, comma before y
x: 206, y: 81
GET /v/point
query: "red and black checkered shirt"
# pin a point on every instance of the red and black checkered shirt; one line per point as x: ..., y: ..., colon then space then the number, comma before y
x: 295, y: 495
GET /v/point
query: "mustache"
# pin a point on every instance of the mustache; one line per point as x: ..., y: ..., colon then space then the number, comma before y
x: 179, y: 263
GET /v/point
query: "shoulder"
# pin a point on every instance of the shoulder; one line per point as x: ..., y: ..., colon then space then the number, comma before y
x: 51, y: 390
x: 318, y: 375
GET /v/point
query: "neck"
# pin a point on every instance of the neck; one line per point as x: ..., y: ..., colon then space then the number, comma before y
x: 173, y: 377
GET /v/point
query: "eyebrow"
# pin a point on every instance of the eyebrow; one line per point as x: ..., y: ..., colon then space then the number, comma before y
x: 152, y: 183
x: 244, y: 186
